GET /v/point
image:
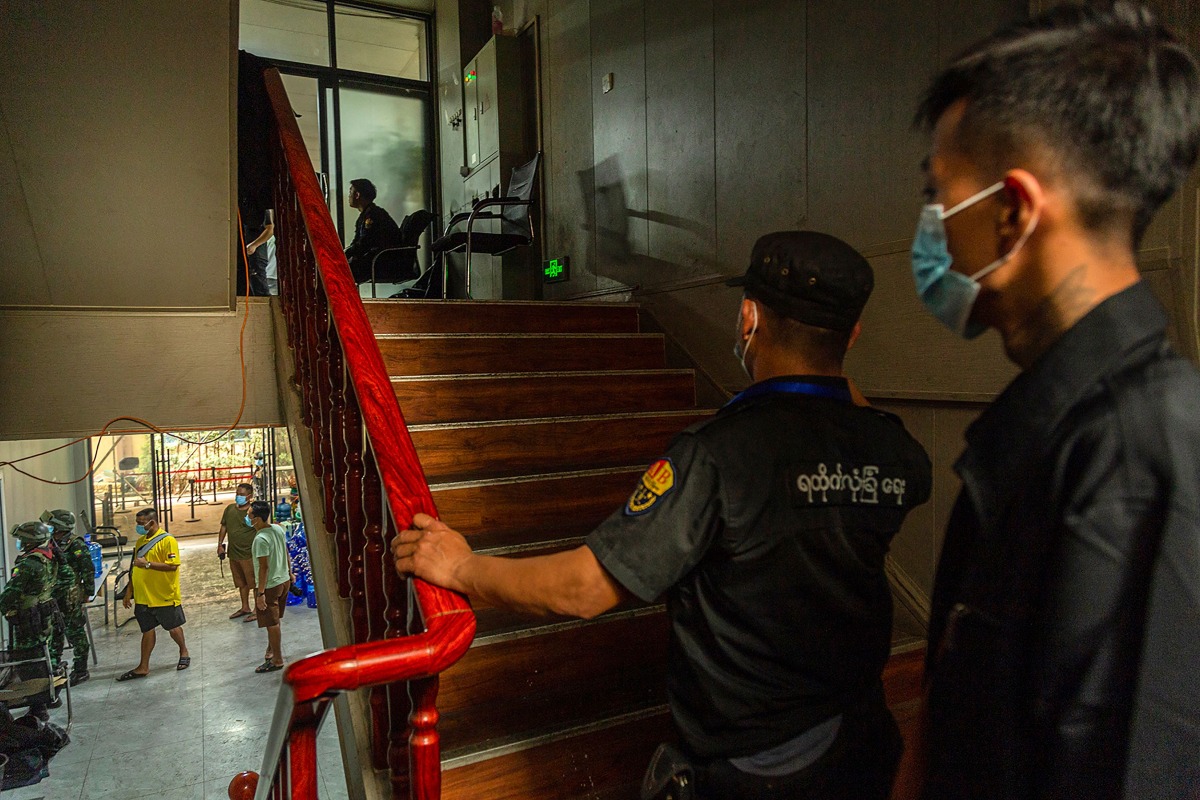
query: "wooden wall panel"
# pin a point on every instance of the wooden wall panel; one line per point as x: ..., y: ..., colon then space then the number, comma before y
x: 681, y: 212
x: 570, y: 200
x: 905, y: 352
x: 867, y: 63
x: 761, y: 119
x: 619, y: 136
x: 940, y: 428
x: 961, y: 23
x: 702, y: 322
x: 911, y: 547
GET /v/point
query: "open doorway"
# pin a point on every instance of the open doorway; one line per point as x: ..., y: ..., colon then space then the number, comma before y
x: 190, y: 484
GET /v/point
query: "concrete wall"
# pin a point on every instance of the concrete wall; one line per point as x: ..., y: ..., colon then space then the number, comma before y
x: 117, y: 222
x: 728, y: 119
x: 116, y: 167
x: 23, y: 499
x: 69, y: 373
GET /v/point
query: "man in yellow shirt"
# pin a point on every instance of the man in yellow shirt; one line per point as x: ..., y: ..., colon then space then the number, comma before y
x: 154, y: 587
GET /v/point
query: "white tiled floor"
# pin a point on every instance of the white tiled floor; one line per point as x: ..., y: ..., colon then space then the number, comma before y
x: 180, y: 734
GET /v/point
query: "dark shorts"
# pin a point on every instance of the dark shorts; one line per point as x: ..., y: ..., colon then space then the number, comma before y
x: 150, y: 617
x: 276, y: 598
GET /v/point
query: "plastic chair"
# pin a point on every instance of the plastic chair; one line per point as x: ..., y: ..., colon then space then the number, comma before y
x: 105, y: 535
x: 516, y: 225
x: 399, y: 263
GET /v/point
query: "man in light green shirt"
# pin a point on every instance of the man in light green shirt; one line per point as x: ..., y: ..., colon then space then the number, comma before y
x: 274, y: 569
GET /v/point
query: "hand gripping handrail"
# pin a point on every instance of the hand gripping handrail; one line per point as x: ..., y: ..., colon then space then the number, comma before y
x: 361, y: 448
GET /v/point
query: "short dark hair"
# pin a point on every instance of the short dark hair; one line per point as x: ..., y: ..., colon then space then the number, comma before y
x: 247, y: 486
x: 261, y: 509
x: 823, y: 347
x: 1107, y: 90
x: 365, y: 188
x: 147, y: 513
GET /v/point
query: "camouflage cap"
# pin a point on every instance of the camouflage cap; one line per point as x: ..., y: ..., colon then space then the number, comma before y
x: 34, y: 532
x: 60, y: 519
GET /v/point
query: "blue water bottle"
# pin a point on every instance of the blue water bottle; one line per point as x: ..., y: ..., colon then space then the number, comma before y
x: 97, y: 561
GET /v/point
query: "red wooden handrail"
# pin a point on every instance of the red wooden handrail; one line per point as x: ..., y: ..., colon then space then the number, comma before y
x: 373, y: 485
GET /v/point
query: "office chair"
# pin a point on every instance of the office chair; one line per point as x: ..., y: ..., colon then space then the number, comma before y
x: 399, y: 263
x: 516, y: 226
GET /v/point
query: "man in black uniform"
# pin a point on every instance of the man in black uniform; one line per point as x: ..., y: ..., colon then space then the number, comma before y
x: 1065, y: 633
x: 374, y: 230
x: 766, y: 529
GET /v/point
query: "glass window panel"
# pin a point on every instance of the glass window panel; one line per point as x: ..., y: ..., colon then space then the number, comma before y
x: 289, y: 30
x: 383, y: 140
x: 375, y: 42
x: 303, y: 93
x: 335, y: 180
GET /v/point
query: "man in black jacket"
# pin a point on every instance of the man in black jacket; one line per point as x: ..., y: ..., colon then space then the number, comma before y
x: 1065, y: 633
x: 373, y: 230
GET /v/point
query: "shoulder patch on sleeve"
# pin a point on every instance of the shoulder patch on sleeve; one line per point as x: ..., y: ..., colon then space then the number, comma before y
x: 657, y: 482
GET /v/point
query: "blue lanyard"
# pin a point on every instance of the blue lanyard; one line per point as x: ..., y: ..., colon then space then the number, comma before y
x: 841, y: 393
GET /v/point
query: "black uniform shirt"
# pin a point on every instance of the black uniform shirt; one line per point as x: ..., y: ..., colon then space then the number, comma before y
x: 373, y: 230
x: 766, y: 527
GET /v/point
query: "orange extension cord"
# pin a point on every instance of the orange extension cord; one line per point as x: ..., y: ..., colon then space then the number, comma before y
x: 138, y: 420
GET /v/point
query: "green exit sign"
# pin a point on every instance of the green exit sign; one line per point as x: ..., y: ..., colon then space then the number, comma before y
x: 557, y: 270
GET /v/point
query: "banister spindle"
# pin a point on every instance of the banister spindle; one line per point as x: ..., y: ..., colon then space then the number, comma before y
x: 424, y: 746
x: 402, y: 619
x: 373, y: 516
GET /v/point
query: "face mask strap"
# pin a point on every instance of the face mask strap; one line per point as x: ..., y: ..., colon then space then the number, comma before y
x: 1002, y: 260
x: 973, y: 199
x: 746, y: 346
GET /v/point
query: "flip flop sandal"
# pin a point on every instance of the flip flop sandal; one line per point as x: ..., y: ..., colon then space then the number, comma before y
x: 184, y: 662
x: 267, y: 666
x: 131, y: 676
x: 251, y: 618
x: 238, y: 613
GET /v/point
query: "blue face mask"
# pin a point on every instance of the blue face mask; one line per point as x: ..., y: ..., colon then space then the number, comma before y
x: 241, y: 501
x: 141, y: 530
x: 249, y: 524
x: 947, y: 294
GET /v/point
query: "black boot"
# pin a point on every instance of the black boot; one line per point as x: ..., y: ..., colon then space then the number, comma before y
x: 78, y: 676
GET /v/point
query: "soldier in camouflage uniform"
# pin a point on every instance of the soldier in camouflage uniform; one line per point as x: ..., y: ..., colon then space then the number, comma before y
x: 76, y: 583
x: 27, y: 601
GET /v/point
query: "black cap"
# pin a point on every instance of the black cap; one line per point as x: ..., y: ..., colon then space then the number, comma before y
x: 811, y: 277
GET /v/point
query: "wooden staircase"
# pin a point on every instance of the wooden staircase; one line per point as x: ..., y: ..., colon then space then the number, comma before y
x: 533, y: 422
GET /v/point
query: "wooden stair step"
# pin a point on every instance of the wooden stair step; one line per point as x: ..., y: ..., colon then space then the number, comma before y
x: 606, y: 762
x: 599, y: 762
x: 458, y: 353
x: 517, y: 511
x: 461, y: 451
x: 472, y: 316
x: 462, y: 398
x: 508, y: 686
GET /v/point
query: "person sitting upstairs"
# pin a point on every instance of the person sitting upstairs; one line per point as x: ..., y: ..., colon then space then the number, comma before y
x: 373, y: 231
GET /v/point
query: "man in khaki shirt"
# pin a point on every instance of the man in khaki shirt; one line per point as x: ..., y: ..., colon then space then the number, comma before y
x: 241, y: 537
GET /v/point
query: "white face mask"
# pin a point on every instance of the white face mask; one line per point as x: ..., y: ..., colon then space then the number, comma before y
x: 739, y: 349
